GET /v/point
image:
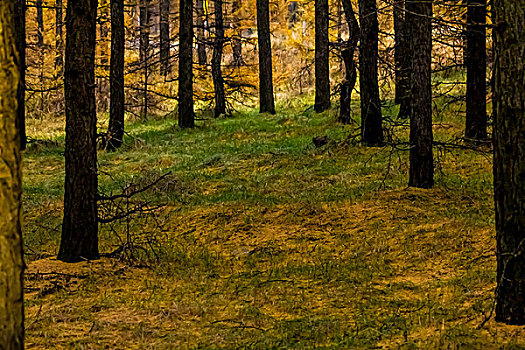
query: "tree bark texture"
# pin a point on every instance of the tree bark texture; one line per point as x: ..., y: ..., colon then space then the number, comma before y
x: 476, y: 62
x: 371, y: 118
x: 266, y: 98
x: 116, y: 114
x: 322, y: 56
x: 509, y: 160
x: 201, y: 25
x: 419, y: 19
x: 80, y: 226
x: 21, y: 45
x: 403, y: 58
x: 11, y: 263
x: 186, y: 112
x: 164, y: 11
x: 218, y: 45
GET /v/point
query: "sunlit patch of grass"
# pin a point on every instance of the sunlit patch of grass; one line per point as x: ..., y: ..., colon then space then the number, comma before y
x: 268, y: 242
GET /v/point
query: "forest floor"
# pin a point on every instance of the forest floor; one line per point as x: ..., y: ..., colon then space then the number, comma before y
x: 261, y: 240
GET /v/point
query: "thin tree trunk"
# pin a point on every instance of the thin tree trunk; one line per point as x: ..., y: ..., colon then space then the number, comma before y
x: 266, y: 98
x: 164, y: 11
x: 403, y: 59
x: 201, y: 24
x: 59, y: 60
x: 40, y: 23
x: 402, y: 81
x: 11, y: 256
x: 116, y: 116
x: 103, y: 43
x: 237, y: 37
x: 80, y: 226
x: 322, y: 57
x: 349, y: 63
x: 476, y: 62
x: 145, y: 26
x: 186, y: 112
x: 21, y: 44
x: 371, y: 118
x: 419, y: 18
x: 509, y: 160
x: 218, y: 80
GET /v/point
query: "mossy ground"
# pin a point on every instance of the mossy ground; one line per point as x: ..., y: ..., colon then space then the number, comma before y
x: 267, y: 242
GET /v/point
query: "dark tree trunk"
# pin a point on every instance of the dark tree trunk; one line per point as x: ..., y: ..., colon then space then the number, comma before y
x: 350, y: 65
x: 145, y: 27
x: 40, y: 23
x: 509, y: 160
x: 403, y: 59
x: 419, y: 18
x: 145, y: 21
x: 59, y: 60
x: 20, y: 33
x: 186, y: 112
x: 218, y: 80
x: 371, y: 118
x: 164, y: 11
x: 476, y: 62
x: 201, y: 25
x: 322, y: 57
x: 293, y: 13
x: 347, y: 86
x: 266, y: 98
x: 11, y: 254
x: 102, y: 94
x: 402, y: 79
x: 116, y: 115
x: 80, y: 226
x: 237, y: 38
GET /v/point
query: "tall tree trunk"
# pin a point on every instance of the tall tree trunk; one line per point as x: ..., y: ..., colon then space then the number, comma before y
x: 419, y: 19
x: 40, y: 23
x: 11, y: 263
x: 145, y: 27
x: 218, y: 80
x: 21, y: 44
x: 476, y: 62
x: 103, y: 43
x: 266, y: 98
x: 186, y: 112
x: 201, y: 24
x: 349, y: 62
x: 322, y: 57
x: 80, y: 226
x: 509, y: 160
x: 116, y: 115
x: 237, y: 37
x: 402, y: 57
x: 59, y: 60
x: 371, y: 118
x: 164, y: 11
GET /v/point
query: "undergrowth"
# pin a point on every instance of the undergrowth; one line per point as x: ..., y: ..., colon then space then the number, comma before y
x: 264, y: 241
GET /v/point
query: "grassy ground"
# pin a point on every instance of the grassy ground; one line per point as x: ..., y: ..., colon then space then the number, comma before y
x: 267, y: 242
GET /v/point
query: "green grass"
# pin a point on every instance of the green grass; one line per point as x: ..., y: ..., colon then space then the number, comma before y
x: 266, y: 242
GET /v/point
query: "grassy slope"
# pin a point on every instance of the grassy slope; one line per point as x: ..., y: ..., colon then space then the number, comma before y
x: 268, y: 242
